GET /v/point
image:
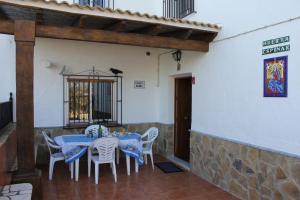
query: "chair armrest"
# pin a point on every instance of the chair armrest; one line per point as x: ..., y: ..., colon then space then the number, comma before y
x: 54, y: 146
x: 146, y: 142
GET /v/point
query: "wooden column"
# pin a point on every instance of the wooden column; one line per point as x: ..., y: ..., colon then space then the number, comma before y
x: 25, y: 40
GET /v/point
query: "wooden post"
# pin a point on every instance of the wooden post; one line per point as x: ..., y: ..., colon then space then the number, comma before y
x: 25, y: 40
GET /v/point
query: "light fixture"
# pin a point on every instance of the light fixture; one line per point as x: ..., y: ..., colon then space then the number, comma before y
x: 177, y: 57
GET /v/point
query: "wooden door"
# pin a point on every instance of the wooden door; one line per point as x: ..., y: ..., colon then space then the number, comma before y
x: 183, y: 114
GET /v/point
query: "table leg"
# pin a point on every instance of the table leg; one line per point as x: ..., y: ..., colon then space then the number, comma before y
x: 89, y: 161
x: 77, y: 169
x: 128, y: 164
x: 136, y: 166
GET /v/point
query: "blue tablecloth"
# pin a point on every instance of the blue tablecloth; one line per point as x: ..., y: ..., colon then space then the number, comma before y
x: 74, y: 146
x: 77, y: 138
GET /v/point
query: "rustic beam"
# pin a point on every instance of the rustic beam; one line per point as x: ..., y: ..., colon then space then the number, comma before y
x: 151, y: 30
x: 119, y: 26
x: 92, y: 35
x: 7, y: 27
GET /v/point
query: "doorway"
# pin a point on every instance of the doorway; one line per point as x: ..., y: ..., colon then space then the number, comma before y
x: 183, y: 117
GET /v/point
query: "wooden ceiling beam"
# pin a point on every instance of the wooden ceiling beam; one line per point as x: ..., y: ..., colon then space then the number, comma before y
x: 80, y: 21
x: 150, y: 30
x: 39, y: 17
x: 119, y: 26
x: 3, y: 15
x: 181, y: 34
x: 93, y: 35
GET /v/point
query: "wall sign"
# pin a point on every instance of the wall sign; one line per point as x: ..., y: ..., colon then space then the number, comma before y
x: 275, y: 77
x: 276, y: 41
x: 139, y: 84
x: 276, y: 49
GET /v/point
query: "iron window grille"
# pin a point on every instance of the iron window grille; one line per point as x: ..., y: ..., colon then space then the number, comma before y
x: 92, y: 98
x: 178, y: 9
x: 94, y: 3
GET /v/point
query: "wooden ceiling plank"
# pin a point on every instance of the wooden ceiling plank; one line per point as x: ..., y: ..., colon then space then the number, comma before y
x: 92, y: 35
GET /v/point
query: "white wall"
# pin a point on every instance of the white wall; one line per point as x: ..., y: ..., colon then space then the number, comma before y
x: 237, y: 16
x: 7, y: 68
x: 139, y: 105
x: 228, y: 96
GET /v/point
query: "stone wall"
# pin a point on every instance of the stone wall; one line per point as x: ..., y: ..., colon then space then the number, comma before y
x: 245, y: 171
x: 164, y: 144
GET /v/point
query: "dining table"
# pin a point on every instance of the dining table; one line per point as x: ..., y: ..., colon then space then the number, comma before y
x: 71, y: 142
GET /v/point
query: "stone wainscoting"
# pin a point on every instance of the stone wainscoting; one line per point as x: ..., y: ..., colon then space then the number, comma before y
x: 245, y: 171
x: 164, y: 144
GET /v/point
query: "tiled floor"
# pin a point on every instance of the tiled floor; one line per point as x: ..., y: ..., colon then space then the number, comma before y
x: 147, y: 184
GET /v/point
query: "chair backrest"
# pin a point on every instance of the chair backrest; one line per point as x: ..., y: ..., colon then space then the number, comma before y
x: 151, y: 134
x: 92, y: 129
x: 106, y: 148
x: 50, y: 143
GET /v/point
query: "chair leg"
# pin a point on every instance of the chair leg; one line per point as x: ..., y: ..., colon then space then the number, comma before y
x: 145, y: 159
x: 76, y: 169
x: 128, y: 165
x: 51, y: 166
x: 118, y: 156
x: 89, y: 161
x: 96, y: 173
x: 151, y: 156
x: 114, y: 171
x: 136, y: 166
x: 72, y: 170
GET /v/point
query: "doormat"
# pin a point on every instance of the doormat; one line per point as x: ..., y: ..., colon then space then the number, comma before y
x: 168, y: 167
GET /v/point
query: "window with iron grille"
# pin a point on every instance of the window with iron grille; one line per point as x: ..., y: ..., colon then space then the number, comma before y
x: 92, y: 100
x: 178, y: 9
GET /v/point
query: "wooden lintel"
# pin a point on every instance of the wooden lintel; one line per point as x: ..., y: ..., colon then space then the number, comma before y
x: 92, y: 35
x: 151, y: 30
x: 7, y: 27
x: 118, y: 26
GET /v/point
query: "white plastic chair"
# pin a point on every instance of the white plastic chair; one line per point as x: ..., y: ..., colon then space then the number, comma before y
x: 150, y: 135
x: 55, y: 153
x: 106, y: 154
x: 92, y: 129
